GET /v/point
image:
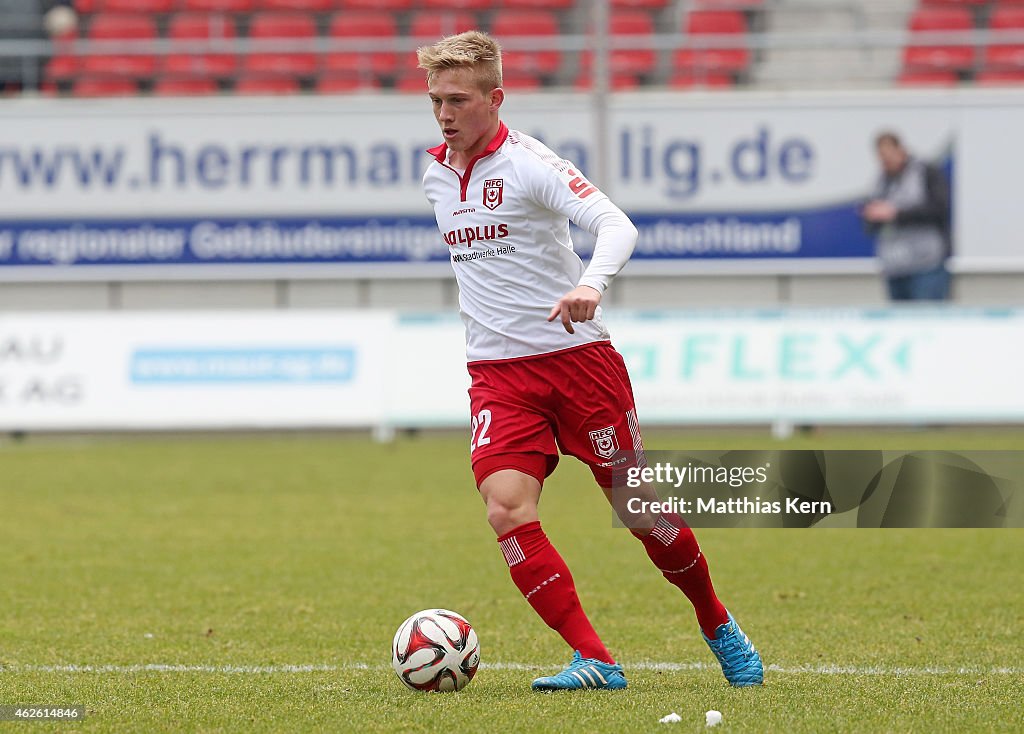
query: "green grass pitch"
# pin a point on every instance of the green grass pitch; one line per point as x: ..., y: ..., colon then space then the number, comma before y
x: 225, y: 562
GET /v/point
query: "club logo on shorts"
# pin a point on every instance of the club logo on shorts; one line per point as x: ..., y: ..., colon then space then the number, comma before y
x: 492, y: 192
x: 605, y: 443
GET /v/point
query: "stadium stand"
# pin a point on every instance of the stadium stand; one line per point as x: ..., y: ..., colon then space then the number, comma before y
x: 431, y: 24
x: 104, y: 86
x: 328, y: 83
x: 300, y: 45
x: 221, y: 6
x: 459, y: 4
x: 929, y: 78
x: 632, y: 61
x: 191, y: 86
x: 133, y: 6
x: 364, y: 25
x: 273, y: 26
x: 940, y: 56
x: 1009, y: 57
x: 699, y: 62
x: 201, y: 26
x: 1000, y: 77
x: 305, y: 6
x: 640, y: 4
x: 267, y: 84
x: 113, y: 27
x: 518, y: 24
x: 380, y: 5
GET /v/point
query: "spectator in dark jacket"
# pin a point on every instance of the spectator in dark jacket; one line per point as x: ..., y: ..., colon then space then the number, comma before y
x: 909, y: 217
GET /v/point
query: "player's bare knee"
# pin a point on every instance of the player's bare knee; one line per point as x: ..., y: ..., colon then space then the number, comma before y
x: 511, y: 499
x: 505, y: 513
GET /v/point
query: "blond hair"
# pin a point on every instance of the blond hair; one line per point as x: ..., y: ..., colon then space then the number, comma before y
x: 470, y: 50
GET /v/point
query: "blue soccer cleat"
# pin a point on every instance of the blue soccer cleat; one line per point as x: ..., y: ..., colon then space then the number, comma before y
x: 583, y: 673
x: 741, y: 663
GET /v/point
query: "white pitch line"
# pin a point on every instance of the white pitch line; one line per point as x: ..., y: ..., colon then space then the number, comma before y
x: 879, y: 670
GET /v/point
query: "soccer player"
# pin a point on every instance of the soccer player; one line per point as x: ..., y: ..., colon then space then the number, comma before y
x: 544, y: 374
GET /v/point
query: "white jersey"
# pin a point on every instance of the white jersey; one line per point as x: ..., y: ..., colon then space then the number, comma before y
x: 506, y: 221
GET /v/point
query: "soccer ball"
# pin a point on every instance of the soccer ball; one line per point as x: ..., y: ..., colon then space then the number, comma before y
x: 435, y: 650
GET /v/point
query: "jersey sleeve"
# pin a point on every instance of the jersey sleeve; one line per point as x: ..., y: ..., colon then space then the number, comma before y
x: 616, y: 238
x: 557, y: 184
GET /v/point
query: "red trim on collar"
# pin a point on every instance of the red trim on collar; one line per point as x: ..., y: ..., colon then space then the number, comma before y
x: 440, y: 154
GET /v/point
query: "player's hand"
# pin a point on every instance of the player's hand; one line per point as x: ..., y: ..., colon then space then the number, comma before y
x: 579, y: 305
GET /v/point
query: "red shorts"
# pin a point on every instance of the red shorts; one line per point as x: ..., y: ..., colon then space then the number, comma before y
x: 578, y: 400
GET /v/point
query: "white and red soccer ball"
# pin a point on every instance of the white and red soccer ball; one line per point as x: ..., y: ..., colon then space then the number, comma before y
x: 435, y: 650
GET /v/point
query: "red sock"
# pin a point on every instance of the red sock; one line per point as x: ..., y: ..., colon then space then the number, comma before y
x: 544, y: 579
x: 674, y: 550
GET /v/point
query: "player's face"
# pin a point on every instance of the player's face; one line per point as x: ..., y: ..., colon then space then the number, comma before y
x: 467, y: 116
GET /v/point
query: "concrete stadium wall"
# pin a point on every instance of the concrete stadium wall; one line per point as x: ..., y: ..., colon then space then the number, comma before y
x: 970, y: 289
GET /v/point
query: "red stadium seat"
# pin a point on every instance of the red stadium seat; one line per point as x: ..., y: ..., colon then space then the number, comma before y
x: 306, y: 6
x: 104, y: 86
x: 1001, y: 77
x: 121, y: 28
x: 644, y: 4
x: 525, y: 23
x: 537, y: 4
x: 934, y: 78
x: 63, y: 65
x: 727, y: 4
x: 362, y: 25
x: 199, y: 26
x: 722, y: 60
x: 290, y: 26
x: 688, y: 80
x: 393, y: 5
x: 218, y: 6
x: 438, y: 25
x: 342, y: 83
x: 412, y: 83
x: 1006, y: 55
x: 459, y: 4
x: 948, y: 57
x: 184, y: 86
x: 523, y: 82
x: 129, y: 6
x: 266, y: 84
x: 407, y: 64
x: 628, y: 61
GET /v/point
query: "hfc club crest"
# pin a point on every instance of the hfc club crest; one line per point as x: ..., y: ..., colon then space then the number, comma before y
x: 605, y: 443
x: 492, y: 192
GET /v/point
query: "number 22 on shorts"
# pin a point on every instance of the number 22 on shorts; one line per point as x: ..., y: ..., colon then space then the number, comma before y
x: 481, y: 422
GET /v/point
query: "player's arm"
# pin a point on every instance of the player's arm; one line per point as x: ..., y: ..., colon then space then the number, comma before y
x: 558, y: 185
x: 616, y: 238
